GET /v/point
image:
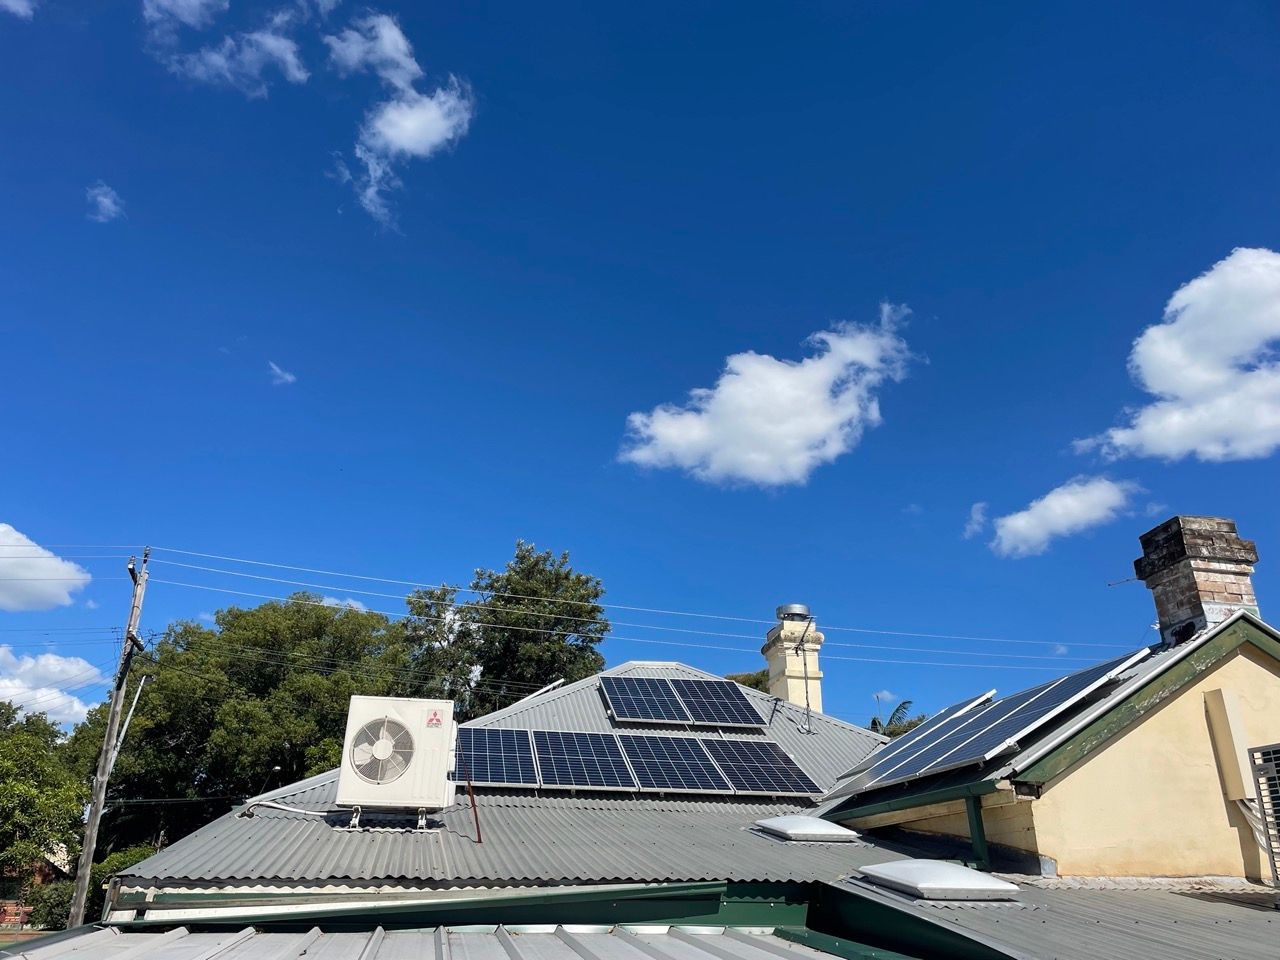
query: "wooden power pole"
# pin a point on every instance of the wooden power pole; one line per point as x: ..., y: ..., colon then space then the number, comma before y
x: 107, y: 757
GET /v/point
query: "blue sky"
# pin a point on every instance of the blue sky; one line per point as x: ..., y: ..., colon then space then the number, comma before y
x: 491, y: 250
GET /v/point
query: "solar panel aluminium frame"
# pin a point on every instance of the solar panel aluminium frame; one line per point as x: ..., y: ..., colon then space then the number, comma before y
x: 1011, y: 742
x: 762, y: 793
x: 757, y: 724
x: 898, y: 744
x: 656, y: 721
x: 728, y: 790
x: 533, y: 753
x: 545, y: 785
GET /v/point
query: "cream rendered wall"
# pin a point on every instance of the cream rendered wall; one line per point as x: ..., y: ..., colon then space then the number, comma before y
x: 1151, y: 802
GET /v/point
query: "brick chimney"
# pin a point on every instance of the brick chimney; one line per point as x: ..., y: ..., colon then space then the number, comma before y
x: 1199, y: 570
x: 789, y: 643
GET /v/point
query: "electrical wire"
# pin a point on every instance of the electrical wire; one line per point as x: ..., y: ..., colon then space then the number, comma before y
x: 543, y: 630
x: 612, y: 606
x: 622, y: 623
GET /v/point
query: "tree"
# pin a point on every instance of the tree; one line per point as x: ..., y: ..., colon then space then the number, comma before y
x: 51, y: 902
x: 41, y: 801
x: 259, y: 698
x: 899, y: 722
x: 759, y: 680
x: 535, y: 621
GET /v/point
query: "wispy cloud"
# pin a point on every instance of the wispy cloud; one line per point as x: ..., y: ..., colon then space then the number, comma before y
x: 347, y: 602
x: 42, y: 684
x: 1212, y: 367
x: 1075, y: 506
x: 207, y: 618
x: 411, y: 124
x: 977, y: 521
x: 196, y: 14
x: 33, y: 578
x: 244, y: 61
x: 1061, y: 649
x: 279, y: 376
x: 24, y: 9
x: 884, y: 696
x: 772, y: 422
x: 105, y: 204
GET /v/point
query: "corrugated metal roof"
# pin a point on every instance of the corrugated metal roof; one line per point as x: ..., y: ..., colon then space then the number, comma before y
x: 831, y: 749
x: 528, y: 838
x: 1077, y: 924
x: 542, y: 837
x: 437, y: 943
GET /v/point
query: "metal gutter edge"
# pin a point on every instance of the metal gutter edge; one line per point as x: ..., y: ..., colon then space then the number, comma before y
x: 962, y: 792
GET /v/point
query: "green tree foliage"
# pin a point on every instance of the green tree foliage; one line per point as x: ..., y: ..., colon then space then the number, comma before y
x: 259, y: 698
x: 535, y: 621
x: 899, y: 722
x: 758, y: 680
x: 40, y: 799
x: 51, y: 903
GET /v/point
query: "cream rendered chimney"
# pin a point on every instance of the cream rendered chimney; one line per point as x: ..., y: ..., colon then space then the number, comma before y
x: 1199, y: 571
x: 791, y: 649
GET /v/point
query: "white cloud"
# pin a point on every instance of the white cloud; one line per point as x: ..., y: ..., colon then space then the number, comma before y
x: 91, y: 604
x: 977, y: 521
x: 1060, y: 650
x: 347, y: 602
x: 40, y: 684
x: 411, y: 125
x: 773, y: 422
x: 26, y: 9
x: 244, y: 61
x: 279, y: 377
x: 189, y: 13
x: 207, y: 618
x: 33, y: 578
x: 105, y: 204
x: 1077, y: 505
x: 376, y: 43
x: 1212, y: 367
x: 884, y: 696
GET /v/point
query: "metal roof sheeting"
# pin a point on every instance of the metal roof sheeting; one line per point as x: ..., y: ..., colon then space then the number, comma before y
x: 528, y: 838
x: 536, y: 837
x: 438, y: 943
x: 1065, y: 924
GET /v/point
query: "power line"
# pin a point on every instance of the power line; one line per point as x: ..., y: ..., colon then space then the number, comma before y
x: 623, y: 623
x: 406, y: 616
x: 610, y: 606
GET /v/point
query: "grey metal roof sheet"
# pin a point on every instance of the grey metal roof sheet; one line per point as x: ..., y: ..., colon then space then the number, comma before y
x: 439, y: 943
x: 1104, y: 924
x: 528, y: 838
x: 536, y: 837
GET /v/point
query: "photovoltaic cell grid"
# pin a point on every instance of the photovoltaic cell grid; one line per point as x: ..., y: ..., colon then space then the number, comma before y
x: 718, y: 702
x: 672, y: 763
x: 648, y: 699
x: 496, y: 757
x: 759, y: 766
x: 966, y: 737
x: 899, y: 745
x: 581, y: 760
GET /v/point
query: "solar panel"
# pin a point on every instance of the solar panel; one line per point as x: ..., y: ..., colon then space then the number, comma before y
x: 717, y: 702
x: 581, y: 760
x: 984, y: 733
x: 899, y: 744
x: 672, y: 763
x: 488, y: 755
x: 646, y: 699
x: 759, y: 766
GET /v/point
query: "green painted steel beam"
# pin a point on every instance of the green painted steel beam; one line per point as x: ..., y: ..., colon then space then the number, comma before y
x: 975, y: 788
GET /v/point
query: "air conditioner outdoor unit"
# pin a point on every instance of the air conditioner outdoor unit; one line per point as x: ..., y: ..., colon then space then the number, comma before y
x: 397, y: 754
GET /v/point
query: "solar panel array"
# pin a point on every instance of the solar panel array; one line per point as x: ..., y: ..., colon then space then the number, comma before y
x: 979, y: 730
x: 638, y: 762
x: 488, y: 755
x: 719, y: 703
